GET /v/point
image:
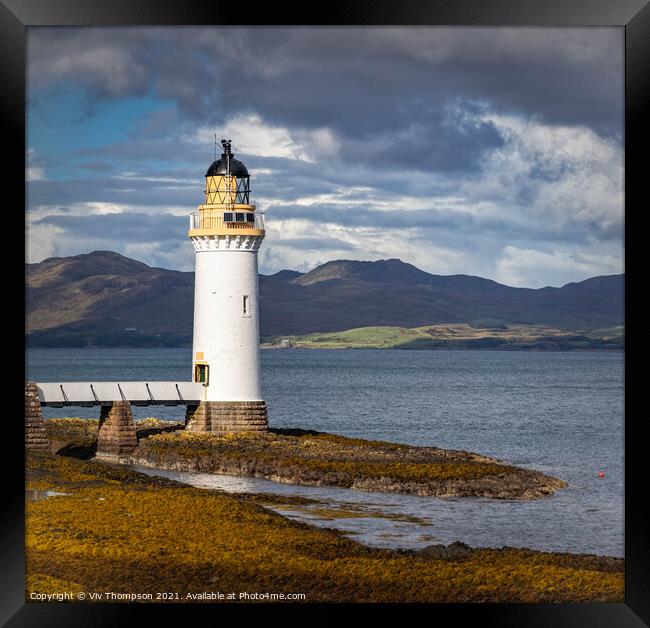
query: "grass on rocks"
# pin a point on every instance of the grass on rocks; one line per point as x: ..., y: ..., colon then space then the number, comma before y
x: 314, y: 458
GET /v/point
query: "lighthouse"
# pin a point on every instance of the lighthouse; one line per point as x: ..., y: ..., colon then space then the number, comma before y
x: 226, y: 232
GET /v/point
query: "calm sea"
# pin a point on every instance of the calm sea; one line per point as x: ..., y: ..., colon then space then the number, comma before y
x: 560, y: 413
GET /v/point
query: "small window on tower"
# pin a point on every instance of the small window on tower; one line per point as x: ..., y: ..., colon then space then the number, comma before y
x: 250, y: 217
x: 227, y: 217
x: 240, y: 217
x: 246, y: 305
x: 201, y: 373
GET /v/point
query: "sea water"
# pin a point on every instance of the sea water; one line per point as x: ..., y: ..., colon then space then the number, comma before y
x: 561, y: 413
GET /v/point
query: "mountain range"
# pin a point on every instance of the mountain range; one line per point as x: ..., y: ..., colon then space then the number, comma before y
x: 104, y: 298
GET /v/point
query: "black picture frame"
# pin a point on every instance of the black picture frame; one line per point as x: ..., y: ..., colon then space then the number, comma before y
x: 633, y: 15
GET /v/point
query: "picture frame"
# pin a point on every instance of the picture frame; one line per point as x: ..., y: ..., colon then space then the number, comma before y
x: 633, y: 15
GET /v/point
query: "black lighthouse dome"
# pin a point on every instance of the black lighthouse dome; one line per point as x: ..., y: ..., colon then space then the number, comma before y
x: 227, y: 164
x: 227, y: 180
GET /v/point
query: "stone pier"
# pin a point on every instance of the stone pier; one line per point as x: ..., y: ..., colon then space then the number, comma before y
x: 35, y: 435
x: 117, y: 436
x: 227, y: 416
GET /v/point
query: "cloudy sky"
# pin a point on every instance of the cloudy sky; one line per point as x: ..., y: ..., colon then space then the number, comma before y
x: 495, y: 152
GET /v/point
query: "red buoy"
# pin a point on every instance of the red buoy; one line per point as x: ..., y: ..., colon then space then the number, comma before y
x: 601, y: 474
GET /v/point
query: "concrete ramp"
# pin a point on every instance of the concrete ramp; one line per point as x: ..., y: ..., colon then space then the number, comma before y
x: 59, y: 394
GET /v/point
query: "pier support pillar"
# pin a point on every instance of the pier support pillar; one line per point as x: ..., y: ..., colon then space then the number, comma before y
x: 227, y: 416
x: 117, y: 436
x: 35, y: 435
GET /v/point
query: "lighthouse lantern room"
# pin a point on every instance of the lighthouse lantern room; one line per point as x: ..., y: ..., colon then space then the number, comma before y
x: 226, y: 232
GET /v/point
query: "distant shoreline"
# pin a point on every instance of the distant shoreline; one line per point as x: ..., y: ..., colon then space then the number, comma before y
x: 265, y: 346
x: 606, y: 349
x: 450, y: 336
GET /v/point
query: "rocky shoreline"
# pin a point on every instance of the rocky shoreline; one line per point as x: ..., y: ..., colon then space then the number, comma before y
x: 521, y: 484
x: 319, y: 459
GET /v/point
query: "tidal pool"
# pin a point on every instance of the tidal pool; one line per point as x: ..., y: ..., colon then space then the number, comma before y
x: 393, y: 520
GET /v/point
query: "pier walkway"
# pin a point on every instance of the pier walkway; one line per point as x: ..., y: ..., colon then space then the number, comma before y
x: 88, y: 394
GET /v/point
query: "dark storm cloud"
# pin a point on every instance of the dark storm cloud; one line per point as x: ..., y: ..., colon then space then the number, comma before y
x: 138, y: 192
x: 131, y: 227
x: 366, y: 80
x: 96, y: 166
x: 484, y: 135
x: 436, y: 143
x: 357, y: 81
x: 316, y: 244
x: 438, y: 221
x: 155, y: 186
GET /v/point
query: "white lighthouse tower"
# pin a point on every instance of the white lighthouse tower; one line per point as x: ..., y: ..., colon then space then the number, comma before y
x: 226, y: 233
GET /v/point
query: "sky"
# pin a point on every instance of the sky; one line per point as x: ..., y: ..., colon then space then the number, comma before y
x: 495, y: 152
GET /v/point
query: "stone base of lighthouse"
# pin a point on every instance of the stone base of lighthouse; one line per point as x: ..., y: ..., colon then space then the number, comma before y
x: 227, y: 416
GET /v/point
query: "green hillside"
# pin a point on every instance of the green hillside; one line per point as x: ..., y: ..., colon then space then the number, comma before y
x: 456, y: 336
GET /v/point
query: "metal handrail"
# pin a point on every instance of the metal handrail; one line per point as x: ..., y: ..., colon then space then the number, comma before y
x: 213, y: 219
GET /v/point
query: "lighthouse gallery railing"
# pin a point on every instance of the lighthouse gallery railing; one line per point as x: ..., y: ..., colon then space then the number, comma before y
x: 206, y: 219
